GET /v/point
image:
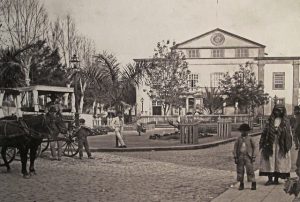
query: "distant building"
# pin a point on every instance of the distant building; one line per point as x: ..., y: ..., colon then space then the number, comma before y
x: 216, y: 52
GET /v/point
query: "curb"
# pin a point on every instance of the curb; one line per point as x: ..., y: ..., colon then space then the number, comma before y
x: 170, y: 148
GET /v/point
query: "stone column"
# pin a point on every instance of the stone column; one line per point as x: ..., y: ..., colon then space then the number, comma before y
x: 295, y: 83
x: 261, y: 78
x: 261, y: 72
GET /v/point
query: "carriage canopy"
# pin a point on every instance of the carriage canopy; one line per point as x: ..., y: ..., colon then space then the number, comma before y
x: 35, y: 98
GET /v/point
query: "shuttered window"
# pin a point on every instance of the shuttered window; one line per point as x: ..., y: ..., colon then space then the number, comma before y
x: 193, y: 53
x: 278, y: 80
x: 217, y: 53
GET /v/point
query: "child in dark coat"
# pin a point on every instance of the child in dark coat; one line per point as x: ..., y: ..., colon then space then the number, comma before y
x: 244, y: 156
x: 82, y: 133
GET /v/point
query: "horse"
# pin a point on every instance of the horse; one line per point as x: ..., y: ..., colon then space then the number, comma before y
x: 26, y: 134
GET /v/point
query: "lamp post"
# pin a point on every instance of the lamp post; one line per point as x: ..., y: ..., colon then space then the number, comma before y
x: 75, y: 61
x: 142, y: 101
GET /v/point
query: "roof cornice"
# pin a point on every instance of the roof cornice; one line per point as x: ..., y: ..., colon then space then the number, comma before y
x: 220, y: 30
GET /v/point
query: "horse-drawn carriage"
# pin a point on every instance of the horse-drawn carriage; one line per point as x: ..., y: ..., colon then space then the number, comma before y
x: 35, y: 100
x: 26, y: 125
x: 32, y: 101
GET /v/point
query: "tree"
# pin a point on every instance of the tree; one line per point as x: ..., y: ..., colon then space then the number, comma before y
x: 167, y: 75
x: 47, y: 69
x: 85, y: 76
x: 213, y: 100
x: 116, y: 87
x: 63, y: 35
x: 11, y: 74
x: 243, y: 88
x: 24, y: 22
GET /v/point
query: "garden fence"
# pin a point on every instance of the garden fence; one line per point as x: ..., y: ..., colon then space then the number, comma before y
x: 189, y: 132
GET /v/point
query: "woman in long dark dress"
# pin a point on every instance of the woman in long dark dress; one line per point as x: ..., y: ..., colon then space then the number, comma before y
x: 275, y: 145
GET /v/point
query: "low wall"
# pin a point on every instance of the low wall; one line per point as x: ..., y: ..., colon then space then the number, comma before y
x: 236, y: 118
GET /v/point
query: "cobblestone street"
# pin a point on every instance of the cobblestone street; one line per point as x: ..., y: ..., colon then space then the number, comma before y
x: 195, y: 175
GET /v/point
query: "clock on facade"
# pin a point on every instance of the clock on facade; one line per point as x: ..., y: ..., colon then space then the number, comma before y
x: 217, y: 39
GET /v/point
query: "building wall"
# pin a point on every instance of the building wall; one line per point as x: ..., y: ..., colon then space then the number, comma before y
x: 228, y: 52
x: 143, y: 107
x: 286, y: 93
x: 204, y: 65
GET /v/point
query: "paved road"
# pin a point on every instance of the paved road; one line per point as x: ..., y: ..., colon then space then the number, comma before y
x: 195, y: 175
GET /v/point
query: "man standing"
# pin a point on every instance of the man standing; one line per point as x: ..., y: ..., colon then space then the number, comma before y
x: 117, y: 125
x: 54, y: 108
x: 296, y: 134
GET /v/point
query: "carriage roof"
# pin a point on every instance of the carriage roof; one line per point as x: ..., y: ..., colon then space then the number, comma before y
x: 42, y: 89
x: 10, y: 91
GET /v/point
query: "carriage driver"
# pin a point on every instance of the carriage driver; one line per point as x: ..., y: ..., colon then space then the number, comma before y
x: 55, y: 103
x: 54, y: 108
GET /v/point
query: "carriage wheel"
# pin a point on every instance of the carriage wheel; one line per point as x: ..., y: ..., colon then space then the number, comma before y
x: 10, y: 155
x: 70, y: 146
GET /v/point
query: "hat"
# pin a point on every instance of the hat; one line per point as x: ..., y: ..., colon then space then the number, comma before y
x: 244, y: 127
x: 52, y: 109
x: 81, y: 121
x: 297, y: 109
x: 278, y: 106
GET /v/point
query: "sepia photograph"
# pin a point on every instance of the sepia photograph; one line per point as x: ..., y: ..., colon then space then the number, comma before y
x: 149, y: 100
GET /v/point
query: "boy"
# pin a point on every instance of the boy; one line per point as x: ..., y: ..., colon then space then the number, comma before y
x: 82, y: 134
x: 244, y: 156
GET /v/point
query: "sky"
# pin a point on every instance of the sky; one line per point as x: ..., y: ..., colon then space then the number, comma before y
x: 131, y: 28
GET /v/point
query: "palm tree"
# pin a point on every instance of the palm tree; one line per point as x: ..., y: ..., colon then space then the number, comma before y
x: 117, y: 86
x: 213, y: 100
x: 11, y: 74
x: 85, y: 77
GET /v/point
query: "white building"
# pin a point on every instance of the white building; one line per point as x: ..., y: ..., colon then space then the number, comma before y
x: 216, y: 52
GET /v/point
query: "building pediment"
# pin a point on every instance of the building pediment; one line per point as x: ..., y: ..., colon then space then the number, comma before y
x: 218, y: 38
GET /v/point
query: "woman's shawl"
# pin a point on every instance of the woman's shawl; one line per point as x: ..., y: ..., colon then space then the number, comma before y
x: 268, y: 136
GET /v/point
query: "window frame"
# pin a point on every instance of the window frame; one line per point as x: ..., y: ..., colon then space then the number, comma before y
x: 221, y: 74
x: 242, y: 52
x: 274, y: 83
x: 193, y: 53
x: 217, y: 53
x: 193, y: 80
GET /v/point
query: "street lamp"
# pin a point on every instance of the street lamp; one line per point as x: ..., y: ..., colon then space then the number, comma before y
x: 142, y: 101
x: 75, y: 61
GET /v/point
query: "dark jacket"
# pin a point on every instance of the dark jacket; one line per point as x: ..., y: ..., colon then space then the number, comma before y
x: 296, y: 130
x: 250, y: 146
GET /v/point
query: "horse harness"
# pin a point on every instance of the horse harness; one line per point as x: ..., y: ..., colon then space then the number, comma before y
x: 21, y: 124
